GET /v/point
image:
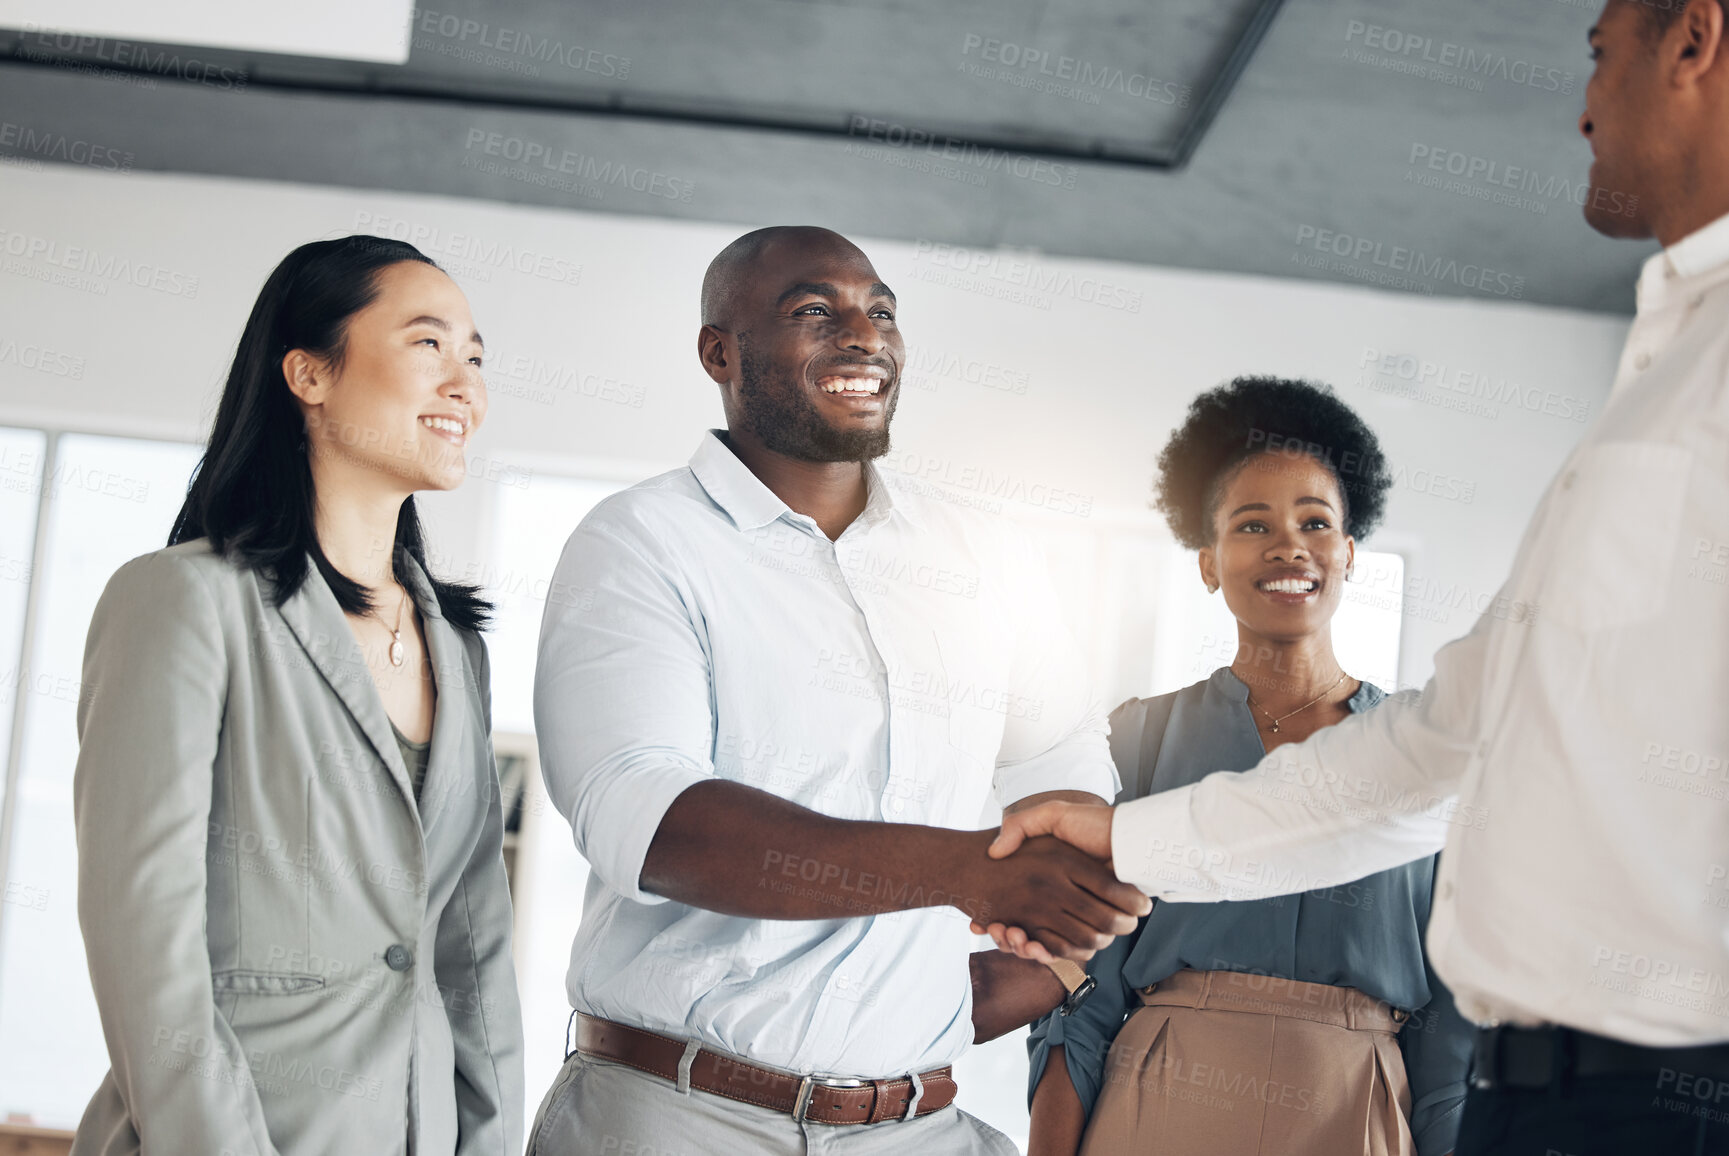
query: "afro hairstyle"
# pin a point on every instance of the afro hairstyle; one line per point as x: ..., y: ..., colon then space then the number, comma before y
x: 1229, y: 425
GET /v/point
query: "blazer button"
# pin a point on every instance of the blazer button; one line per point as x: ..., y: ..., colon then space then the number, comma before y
x: 398, y: 957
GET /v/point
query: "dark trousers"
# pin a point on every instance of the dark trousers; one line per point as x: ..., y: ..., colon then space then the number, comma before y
x: 1664, y: 1113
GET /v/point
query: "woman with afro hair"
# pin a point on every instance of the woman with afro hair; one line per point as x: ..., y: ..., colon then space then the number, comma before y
x: 1304, y: 1025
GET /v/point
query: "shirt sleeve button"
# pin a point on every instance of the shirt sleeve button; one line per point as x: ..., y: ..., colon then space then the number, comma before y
x: 398, y: 957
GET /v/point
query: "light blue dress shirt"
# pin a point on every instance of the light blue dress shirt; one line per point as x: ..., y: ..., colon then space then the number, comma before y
x: 901, y: 672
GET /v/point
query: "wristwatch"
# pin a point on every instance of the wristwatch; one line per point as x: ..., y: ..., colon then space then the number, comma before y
x: 1075, y: 979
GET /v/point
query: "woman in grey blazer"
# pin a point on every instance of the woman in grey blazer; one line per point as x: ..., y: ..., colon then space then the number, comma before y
x: 291, y: 884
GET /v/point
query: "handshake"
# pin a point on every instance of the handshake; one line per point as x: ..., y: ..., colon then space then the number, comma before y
x: 1042, y: 885
x: 1054, y: 892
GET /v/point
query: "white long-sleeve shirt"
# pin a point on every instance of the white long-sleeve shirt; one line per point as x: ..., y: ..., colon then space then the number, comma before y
x: 1571, y: 754
x: 897, y: 673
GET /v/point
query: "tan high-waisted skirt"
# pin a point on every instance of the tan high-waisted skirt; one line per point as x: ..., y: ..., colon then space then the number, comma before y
x: 1222, y: 1063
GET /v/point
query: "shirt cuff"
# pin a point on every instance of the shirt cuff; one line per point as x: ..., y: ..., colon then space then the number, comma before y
x: 1142, y: 849
x: 622, y: 819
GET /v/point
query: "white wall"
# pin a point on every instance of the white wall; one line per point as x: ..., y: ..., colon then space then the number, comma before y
x: 121, y: 297
x: 1091, y: 391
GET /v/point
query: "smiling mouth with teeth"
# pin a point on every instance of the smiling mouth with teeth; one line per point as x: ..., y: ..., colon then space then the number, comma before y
x: 1289, y: 586
x: 447, y: 425
x: 839, y: 384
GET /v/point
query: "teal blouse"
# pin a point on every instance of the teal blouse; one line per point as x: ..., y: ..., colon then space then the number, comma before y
x: 1367, y: 934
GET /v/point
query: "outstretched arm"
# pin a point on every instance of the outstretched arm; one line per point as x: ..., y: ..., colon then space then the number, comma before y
x: 1375, y: 791
x: 734, y: 849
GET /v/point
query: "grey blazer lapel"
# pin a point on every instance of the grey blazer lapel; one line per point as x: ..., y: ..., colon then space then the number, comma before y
x: 451, y: 715
x: 318, y: 623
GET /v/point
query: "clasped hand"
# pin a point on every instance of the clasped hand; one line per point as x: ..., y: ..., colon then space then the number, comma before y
x: 1094, y: 907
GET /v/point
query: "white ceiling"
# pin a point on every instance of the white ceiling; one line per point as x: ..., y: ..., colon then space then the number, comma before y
x: 371, y: 30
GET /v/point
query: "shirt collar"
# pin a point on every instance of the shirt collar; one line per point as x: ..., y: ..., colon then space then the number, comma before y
x: 729, y: 482
x: 1368, y: 694
x: 1701, y: 254
x: 752, y: 505
x: 884, y: 502
x: 1226, y: 682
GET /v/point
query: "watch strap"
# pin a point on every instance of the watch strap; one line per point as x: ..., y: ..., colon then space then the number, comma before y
x: 1069, y: 973
x: 1075, y: 981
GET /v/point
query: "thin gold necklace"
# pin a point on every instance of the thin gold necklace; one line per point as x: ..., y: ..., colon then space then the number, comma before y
x: 1276, y: 721
x: 397, y: 651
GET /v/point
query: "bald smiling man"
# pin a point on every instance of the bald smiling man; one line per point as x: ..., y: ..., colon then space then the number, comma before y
x: 774, y: 717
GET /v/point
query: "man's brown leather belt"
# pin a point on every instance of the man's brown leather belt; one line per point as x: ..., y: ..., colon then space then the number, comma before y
x: 814, y: 1098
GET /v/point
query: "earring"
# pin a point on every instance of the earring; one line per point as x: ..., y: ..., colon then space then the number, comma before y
x: 1351, y: 573
x: 1212, y: 588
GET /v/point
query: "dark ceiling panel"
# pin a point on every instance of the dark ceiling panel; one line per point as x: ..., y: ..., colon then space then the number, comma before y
x: 1110, y: 80
x: 1333, y: 161
x: 1115, y: 78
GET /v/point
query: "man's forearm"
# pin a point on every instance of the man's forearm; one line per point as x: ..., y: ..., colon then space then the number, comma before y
x: 734, y: 849
x: 1009, y: 993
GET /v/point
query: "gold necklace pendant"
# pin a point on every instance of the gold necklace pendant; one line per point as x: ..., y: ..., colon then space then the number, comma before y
x: 397, y: 651
x: 1273, y: 729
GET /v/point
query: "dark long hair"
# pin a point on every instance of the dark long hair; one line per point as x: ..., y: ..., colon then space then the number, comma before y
x: 252, y: 493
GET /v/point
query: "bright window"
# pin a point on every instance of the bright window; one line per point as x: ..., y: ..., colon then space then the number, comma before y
x: 109, y: 500
x: 531, y: 525
x: 21, y: 453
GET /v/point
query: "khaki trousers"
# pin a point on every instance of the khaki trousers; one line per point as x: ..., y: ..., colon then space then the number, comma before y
x: 1220, y: 1063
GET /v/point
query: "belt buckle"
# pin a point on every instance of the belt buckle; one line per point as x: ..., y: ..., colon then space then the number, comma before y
x: 809, y: 1084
